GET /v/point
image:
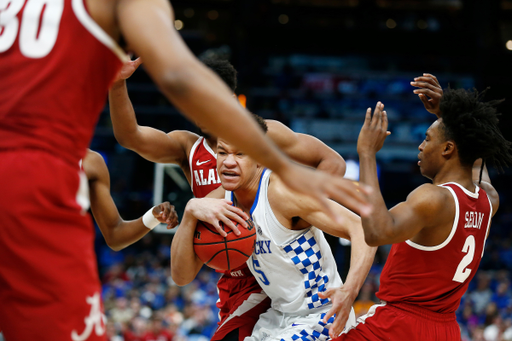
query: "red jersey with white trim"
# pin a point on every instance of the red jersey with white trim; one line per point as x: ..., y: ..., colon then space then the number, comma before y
x: 436, y: 277
x: 56, y: 66
x: 203, y: 169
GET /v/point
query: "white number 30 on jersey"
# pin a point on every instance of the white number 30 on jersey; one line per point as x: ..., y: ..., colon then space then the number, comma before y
x: 38, y: 29
x: 462, y: 272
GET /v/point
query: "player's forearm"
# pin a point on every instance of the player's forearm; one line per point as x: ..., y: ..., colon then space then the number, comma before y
x: 361, y: 260
x: 378, y: 226
x: 124, y: 233
x: 122, y: 114
x: 184, y: 262
x: 477, y: 170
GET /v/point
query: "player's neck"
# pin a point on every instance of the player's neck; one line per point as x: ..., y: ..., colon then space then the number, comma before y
x: 459, y: 174
x: 246, y: 196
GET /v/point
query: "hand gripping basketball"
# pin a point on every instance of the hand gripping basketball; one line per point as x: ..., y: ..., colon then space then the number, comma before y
x: 224, y: 253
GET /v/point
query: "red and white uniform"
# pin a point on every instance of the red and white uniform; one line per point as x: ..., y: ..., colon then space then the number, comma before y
x: 203, y: 168
x: 56, y: 65
x: 241, y: 300
x: 421, y: 286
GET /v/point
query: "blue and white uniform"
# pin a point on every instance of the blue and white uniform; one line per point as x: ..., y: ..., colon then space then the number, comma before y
x: 292, y: 267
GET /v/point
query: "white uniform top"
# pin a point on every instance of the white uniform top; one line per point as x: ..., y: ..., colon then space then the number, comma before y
x: 291, y: 266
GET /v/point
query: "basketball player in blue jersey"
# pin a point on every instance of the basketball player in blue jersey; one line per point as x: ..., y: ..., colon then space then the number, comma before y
x: 292, y: 260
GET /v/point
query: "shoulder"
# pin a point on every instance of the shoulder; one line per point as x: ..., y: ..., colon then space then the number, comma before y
x: 492, y: 194
x: 280, y: 133
x: 184, y: 137
x: 429, y: 197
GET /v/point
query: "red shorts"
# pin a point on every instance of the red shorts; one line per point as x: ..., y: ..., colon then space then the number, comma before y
x: 402, y: 321
x: 241, y: 301
x: 49, y: 286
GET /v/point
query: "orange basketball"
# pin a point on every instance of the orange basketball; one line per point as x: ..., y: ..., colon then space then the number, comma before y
x: 224, y: 253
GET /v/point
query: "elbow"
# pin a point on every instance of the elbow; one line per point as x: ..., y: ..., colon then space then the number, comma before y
x: 377, y: 239
x: 125, y: 140
x: 178, y: 279
x: 114, y: 245
x: 371, y: 241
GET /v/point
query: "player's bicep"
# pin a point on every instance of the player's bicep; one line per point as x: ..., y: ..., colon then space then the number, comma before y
x: 156, y: 146
x: 416, y: 213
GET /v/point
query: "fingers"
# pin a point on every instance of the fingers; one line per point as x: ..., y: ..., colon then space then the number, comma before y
x: 227, y: 221
x: 434, y: 78
x: 425, y: 101
x: 339, y: 323
x: 137, y: 62
x: 346, y: 193
x: 367, y: 118
x: 216, y: 224
x: 384, y: 125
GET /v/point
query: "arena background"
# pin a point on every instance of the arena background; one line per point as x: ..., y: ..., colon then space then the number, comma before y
x: 315, y: 65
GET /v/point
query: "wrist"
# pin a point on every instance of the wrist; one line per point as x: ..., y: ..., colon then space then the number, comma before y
x: 118, y: 84
x: 351, y: 291
x: 190, y: 206
x: 366, y: 154
x: 149, y: 220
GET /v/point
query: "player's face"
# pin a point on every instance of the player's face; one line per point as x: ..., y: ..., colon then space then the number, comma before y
x: 431, y: 149
x: 236, y: 169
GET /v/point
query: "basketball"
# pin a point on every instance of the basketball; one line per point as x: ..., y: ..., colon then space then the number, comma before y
x: 224, y: 253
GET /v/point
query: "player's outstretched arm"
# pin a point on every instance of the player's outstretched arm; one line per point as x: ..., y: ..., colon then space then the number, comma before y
x: 306, y: 149
x: 117, y: 232
x: 152, y: 144
x: 406, y: 219
x: 184, y: 262
x: 197, y: 92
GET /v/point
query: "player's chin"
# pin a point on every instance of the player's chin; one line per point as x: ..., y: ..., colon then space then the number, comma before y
x: 229, y: 184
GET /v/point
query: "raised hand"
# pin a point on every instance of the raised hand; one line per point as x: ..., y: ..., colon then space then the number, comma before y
x: 128, y: 69
x: 213, y: 211
x: 374, y: 131
x: 342, y: 301
x: 429, y: 92
x: 165, y: 213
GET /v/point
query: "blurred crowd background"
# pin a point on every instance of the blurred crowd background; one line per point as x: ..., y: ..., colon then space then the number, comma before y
x: 315, y: 65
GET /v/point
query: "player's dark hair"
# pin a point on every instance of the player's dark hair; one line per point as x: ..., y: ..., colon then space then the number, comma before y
x: 261, y: 122
x: 473, y: 126
x: 224, y: 69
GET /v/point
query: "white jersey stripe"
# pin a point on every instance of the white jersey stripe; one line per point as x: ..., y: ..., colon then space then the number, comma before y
x: 452, y: 232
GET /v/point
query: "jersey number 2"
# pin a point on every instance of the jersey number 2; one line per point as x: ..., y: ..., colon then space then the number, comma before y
x: 38, y: 29
x: 462, y: 272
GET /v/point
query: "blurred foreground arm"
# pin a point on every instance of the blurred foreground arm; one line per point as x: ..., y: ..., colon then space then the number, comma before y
x: 201, y: 95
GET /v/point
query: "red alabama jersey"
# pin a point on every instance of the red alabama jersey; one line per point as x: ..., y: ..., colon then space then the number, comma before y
x: 203, y: 169
x: 436, y: 277
x: 56, y: 66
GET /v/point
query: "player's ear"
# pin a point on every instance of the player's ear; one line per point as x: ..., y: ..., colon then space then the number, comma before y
x: 449, y: 149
